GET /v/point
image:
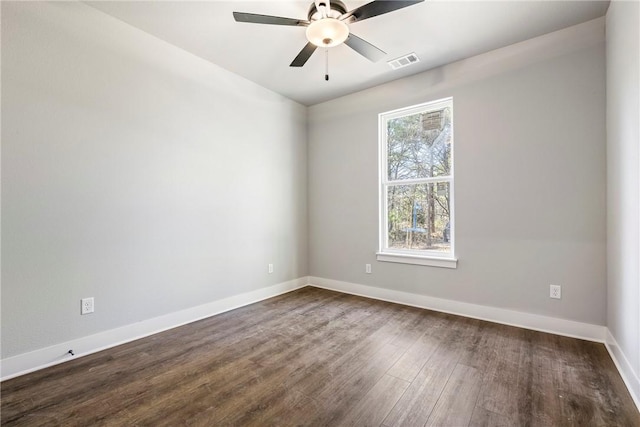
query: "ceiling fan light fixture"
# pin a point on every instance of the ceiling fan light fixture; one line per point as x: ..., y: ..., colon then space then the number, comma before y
x: 327, y: 32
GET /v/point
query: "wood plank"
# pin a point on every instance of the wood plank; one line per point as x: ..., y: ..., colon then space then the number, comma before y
x: 544, y: 375
x: 458, y: 400
x: 412, y: 361
x: 501, y: 392
x: 418, y: 401
x: 348, y: 392
x: 484, y: 418
x: 581, y: 385
x: 377, y: 403
x: 323, y: 380
x: 602, y: 384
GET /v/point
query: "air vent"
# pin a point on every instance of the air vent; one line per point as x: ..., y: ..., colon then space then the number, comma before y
x: 403, y: 61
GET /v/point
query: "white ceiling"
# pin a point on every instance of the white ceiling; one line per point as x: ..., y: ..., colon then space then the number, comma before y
x: 439, y: 32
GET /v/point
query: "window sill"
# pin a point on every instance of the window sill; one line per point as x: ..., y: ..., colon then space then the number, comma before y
x: 418, y: 260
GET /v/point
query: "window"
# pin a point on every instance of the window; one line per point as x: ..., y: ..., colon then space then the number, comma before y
x: 416, y: 185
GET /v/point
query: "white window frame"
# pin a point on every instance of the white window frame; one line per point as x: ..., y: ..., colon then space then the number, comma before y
x: 405, y: 256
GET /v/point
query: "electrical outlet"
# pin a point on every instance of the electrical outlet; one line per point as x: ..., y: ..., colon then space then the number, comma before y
x: 367, y: 268
x: 270, y: 268
x: 555, y: 291
x: 86, y: 305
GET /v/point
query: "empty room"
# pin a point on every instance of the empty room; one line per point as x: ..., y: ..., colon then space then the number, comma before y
x: 320, y: 213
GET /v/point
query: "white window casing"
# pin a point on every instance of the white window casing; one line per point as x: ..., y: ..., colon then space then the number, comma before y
x: 405, y: 242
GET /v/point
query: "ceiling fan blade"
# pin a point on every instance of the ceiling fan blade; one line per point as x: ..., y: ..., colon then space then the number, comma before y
x: 304, y: 55
x: 364, y: 48
x: 376, y: 8
x: 254, y: 18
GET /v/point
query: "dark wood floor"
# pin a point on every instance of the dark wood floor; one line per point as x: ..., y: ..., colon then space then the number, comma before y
x: 315, y: 357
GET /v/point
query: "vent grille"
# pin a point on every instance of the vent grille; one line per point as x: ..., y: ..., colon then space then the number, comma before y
x: 403, y: 61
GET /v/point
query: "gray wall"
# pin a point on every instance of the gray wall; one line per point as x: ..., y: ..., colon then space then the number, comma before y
x: 529, y: 150
x: 135, y: 173
x: 623, y: 202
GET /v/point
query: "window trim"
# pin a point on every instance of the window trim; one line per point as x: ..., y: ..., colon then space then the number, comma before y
x: 428, y: 258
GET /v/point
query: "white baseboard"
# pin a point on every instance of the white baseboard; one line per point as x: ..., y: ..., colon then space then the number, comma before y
x: 53, y: 355
x: 535, y: 322
x: 628, y: 374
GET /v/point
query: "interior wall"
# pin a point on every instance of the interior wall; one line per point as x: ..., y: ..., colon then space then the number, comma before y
x: 623, y: 180
x: 137, y: 174
x: 529, y: 124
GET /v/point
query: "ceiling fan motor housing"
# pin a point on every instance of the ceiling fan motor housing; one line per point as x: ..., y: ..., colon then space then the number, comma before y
x: 337, y: 9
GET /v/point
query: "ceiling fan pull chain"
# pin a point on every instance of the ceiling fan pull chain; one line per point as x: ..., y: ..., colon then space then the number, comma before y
x: 326, y: 64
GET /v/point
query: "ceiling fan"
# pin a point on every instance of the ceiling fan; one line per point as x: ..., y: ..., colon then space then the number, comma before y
x: 328, y: 26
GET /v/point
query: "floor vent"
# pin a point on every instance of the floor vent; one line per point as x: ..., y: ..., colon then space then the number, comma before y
x: 403, y: 61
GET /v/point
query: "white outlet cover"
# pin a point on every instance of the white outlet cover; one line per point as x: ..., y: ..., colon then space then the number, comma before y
x: 555, y: 291
x: 86, y: 305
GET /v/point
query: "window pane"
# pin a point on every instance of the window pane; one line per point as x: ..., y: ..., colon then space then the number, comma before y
x: 419, y: 145
x: 418, y: 217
